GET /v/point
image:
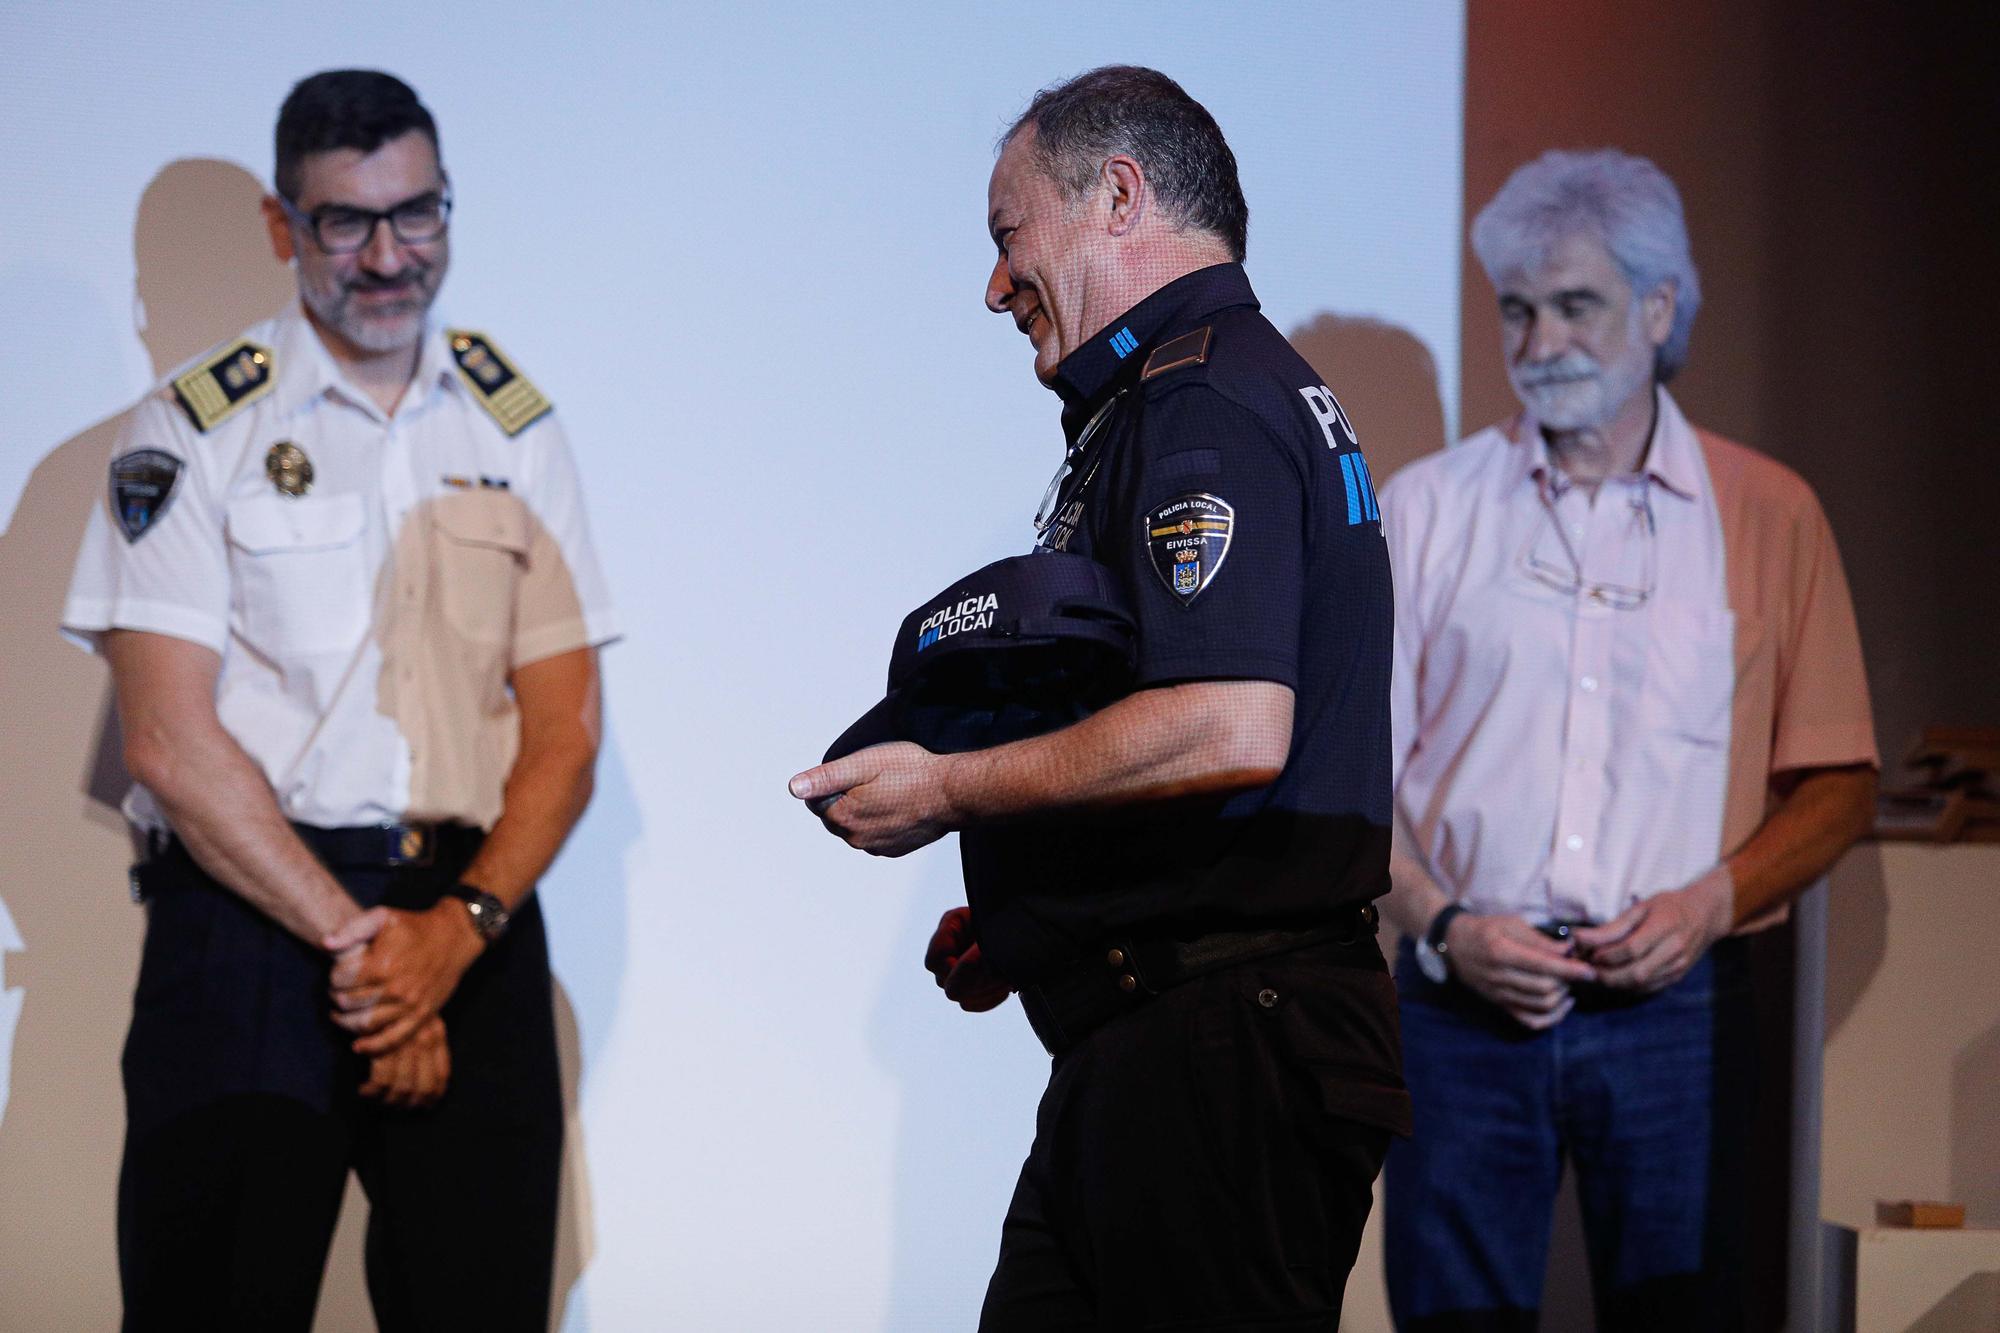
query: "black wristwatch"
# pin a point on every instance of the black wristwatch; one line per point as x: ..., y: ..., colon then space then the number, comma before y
x: 1431, y: 959
x: 489, y: 915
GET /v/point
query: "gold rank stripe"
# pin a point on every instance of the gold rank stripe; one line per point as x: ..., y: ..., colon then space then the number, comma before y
x: 517, y: 404
x: 1201, y: 525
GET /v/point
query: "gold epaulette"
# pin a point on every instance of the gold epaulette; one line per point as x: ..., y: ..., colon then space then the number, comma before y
x: 233, y: 378
x: 501, y: 389
x: 1190, y: 349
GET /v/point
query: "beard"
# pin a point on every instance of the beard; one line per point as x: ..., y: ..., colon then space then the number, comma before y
x: 375, y: 327
x: 1577, y: 392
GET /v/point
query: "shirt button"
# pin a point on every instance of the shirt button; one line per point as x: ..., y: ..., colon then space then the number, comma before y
x: 1588, y: 684
x: 1574, y: 842
x: 1267, y: 997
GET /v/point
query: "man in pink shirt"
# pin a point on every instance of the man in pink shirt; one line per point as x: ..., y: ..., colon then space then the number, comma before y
x: 1630, y: 724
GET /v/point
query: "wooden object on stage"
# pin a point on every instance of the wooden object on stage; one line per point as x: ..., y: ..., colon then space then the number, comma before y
x: 1916, y: 1213
x: 1956, y: 793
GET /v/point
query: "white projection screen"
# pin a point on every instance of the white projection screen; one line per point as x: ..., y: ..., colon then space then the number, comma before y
x: 743, y: 250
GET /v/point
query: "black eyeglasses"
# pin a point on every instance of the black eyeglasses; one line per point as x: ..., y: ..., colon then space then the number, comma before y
x: 340, y: 229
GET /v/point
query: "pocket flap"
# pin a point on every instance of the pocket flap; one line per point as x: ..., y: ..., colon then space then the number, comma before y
x: 262, y: 523
x: 497, y: 521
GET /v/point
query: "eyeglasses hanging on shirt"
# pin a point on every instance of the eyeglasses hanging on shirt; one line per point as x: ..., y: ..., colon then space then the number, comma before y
x: 1557, y: 564
x: 1046, y: 513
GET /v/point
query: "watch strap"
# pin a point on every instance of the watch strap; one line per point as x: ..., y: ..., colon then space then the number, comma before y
x: 489, y: 915
x: 1434, y: 937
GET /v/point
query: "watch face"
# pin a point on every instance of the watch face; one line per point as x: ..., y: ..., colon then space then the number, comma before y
x: 489, y: 917
x: 1431, y: 963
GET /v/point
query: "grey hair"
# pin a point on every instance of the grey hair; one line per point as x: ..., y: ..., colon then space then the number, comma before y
x: 1624, y: 201
x: 1131, y: 109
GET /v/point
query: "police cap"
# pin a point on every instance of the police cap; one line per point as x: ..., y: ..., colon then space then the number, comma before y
x: 1021, y: 647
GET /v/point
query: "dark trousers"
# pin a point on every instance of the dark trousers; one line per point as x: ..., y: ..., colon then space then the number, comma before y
x: 1650, y: 1102
x: 243, y: 1121
x: 1197, y: 1163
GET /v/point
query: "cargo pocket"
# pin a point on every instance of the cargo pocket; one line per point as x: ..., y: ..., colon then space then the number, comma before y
x: 481, y: 549
x: 1336, y: 1027
x: 301, y: 579
x: 1691, y: 669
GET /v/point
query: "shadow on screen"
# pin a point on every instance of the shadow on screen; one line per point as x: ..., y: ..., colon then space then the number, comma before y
x: 204, y: 272
x: 1387, y: 381
x: 67, y: 847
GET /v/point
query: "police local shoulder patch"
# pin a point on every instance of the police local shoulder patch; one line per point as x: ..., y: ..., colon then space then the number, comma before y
x: 142, y: 486
x: 1187, y: 538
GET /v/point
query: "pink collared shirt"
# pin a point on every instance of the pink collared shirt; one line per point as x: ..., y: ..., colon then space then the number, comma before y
x: 1590, y: 697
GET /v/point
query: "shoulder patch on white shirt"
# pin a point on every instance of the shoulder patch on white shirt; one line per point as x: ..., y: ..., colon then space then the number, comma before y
x: 233, y: 378
x: 500, y: 387
x: 142, y: 486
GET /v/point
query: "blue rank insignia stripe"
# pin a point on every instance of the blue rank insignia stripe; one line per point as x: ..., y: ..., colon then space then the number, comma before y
x: 142, y: 487
x: 226, y: 382
x: 500, y: 387
x: 1187, y: 539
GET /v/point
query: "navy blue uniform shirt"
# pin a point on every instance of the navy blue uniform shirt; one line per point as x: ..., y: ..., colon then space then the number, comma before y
x: 1218, y: 477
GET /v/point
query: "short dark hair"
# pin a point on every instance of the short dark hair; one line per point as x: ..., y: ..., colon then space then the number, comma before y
x: 1148, y: 117
x: 344, y: 108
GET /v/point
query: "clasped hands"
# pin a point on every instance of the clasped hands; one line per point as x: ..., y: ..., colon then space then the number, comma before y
x: 1646, y: 948
x: 392, y: 972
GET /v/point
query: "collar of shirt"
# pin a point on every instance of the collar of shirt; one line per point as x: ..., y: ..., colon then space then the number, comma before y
x: 1112, y: 359
x: 1673, y: 460
x: 308, y: 372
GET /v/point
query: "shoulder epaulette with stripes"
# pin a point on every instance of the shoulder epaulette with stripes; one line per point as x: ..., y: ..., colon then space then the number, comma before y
x: 500, y: 387
x: 232, y: 379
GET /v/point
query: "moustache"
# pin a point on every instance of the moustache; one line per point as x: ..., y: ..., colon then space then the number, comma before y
x: 411, y: 279
x: 1568, y: 366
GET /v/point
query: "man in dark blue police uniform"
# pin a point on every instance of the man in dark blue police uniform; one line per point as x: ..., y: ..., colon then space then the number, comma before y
x: 1180, y: 885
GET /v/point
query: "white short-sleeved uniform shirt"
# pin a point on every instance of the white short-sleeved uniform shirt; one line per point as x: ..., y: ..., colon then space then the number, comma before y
x: 368, y: 626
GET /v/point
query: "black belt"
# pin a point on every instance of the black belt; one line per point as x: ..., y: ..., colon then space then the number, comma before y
x: 378, y: 846
x: 1067, y: 1007
x: 385, y: 845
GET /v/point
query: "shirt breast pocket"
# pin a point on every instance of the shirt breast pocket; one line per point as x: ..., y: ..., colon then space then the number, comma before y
x: 300, y: 572
x: 1691, y: 671
x: 481, y: 551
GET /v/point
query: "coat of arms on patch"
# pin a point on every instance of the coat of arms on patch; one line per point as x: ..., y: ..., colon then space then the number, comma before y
x: 1187, y: 538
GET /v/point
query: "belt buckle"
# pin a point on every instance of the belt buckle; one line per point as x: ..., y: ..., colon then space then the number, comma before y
x: 411, y: 844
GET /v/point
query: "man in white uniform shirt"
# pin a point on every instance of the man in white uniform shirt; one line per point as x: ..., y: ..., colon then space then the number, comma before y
x: 1630, y: 724
x: 344, y: 582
